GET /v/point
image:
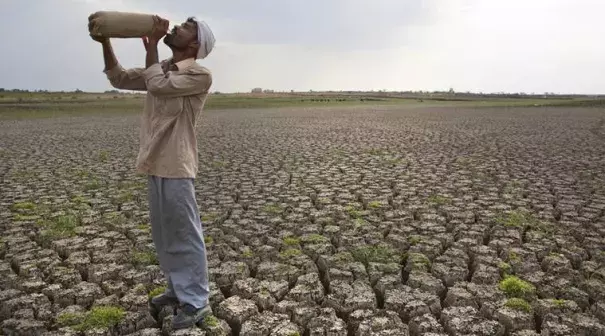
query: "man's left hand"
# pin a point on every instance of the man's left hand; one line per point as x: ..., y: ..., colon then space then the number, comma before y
x: 160, y: 29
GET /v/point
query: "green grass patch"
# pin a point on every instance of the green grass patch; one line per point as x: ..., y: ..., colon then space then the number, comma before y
x: 247, y: 252
x: 144, y: 227
x: 218, y: 164
x: 315, y: 239
x: 156, y: 291
x: 558, y: 302
x: 438, y: 200
x: 124, y: 197
x: 375, y: 205
x: 291, y: 241
x: 93, y: 184
x: 505, y: 268
x: 274, y: 209
x: 358, y: 223
x: 62, y: 226
x: 353, y: 211
x: 211, y: 321
x: 23, y: 206
x: 208, y: 240
x: 144, y: 258
x: 103, y: 156
x: 70, y: 319
x: 518, y: 219
x: 514, y: 257
x: 102, y: 317
x: 414, y: 240
x: 418, y: 259
x: 376, y: 254
x: 290, y: 253
x: 210, y: 217
x: 515, y: 287
x: 518, y: 304
x: 343, y: 257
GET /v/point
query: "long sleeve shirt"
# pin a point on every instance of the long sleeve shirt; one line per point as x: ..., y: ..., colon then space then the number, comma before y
x: 173, y: 107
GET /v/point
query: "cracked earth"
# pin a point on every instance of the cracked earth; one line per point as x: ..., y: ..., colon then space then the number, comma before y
x: 349, y: 221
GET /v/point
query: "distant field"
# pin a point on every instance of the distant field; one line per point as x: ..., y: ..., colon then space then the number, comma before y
x: 25, y: 105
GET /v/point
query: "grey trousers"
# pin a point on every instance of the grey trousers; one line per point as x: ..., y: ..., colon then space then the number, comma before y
x: 177, y: 234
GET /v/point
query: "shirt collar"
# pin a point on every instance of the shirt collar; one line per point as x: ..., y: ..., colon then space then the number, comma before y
x: 184, y: 64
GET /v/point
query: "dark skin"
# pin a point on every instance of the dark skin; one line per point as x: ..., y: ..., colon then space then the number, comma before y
x: 182, y: 40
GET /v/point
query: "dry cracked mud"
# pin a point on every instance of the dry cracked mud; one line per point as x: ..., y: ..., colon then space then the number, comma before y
x: 349, y: 221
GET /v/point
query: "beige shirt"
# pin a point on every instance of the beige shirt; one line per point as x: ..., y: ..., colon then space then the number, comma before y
x: 173, y: 106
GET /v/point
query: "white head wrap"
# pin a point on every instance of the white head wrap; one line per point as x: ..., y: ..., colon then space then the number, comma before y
x: 205, y: 37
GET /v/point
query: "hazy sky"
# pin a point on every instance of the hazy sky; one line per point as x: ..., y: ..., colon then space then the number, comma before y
x: 476, y: 45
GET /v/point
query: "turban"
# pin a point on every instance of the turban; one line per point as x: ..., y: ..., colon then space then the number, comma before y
x: 205, y: 37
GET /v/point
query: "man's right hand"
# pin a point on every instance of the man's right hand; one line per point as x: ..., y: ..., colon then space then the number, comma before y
x: 100, y: 39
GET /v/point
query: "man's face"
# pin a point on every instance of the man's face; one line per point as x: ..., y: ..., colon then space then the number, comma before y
x: 182, y: 36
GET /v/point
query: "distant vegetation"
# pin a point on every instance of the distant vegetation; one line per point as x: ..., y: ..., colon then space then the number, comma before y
x: 18, y: 104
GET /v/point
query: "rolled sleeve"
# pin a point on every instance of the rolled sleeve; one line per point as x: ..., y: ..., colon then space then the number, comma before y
x: 129, y: 79
x: 174, y: 85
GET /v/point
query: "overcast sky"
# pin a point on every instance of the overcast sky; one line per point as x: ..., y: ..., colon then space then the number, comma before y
x: 475, y: 45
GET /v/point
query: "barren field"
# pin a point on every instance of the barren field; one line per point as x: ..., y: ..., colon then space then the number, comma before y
x: 343, y: 220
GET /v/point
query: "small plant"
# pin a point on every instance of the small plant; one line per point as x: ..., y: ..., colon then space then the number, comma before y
x: 514, y: 257
x: 144, y: 258
x: 209, y: 217
x: 291, y: 241
x: 518, y: 219
x: 290, y: 253
x: 353, y: 212
x: 378, y: 254
x: 211, y: 321
x: 92, y: 185
x: 559, y: 302
x: 359, y: 223
x: 518, y: 304
x: 79, y: 199
x: 102, y: 317
x: 414, y: 240
x: 343, y: 257
x: 23, y: 206
x: 103, y: 156
x: 505, y: 268
x: 273, y: 209
x: 315, y: 239
x: 125, y: 197
x: 418, y: 258
x: 60, y: 227
x: 218, y: 164
x: 514, y: 287
x: 156, y: 291
x: 144, y: 227
x: 83, y: 174
x: 208, y: 240
x: 375, y: 205
x: 247, y: 252
x: 70, y: 319
x: 438, y: 200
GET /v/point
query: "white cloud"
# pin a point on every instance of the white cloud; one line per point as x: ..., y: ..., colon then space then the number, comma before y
x: 474, y: 45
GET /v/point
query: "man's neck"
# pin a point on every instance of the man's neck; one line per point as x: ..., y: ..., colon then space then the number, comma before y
x: 178, y: 56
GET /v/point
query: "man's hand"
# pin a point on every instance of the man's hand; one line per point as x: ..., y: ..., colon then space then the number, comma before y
x: 100, y: 39
x: 160, y: 29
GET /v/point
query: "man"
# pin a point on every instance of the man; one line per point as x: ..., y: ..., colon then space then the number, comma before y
x: 176, y: 92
